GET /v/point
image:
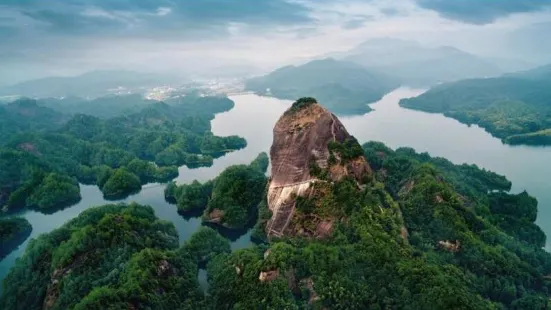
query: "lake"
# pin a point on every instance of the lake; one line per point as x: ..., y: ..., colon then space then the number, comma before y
x: 529, y: 168
x: 253, y: 117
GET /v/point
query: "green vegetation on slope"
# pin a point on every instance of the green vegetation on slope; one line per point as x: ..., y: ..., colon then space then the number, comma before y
x: 422, y: 234
x: 25, y: 115
x: 453, y: 207
x: 515, y: 108
x: 149, y: 144
x: 115, y: 257
x: 300, y: 104
x: 13, y: 232
x: 235, y: 196
x: 55, y: 191
x: 121, y: 183
x: 230, y: 200
x: 189, y: 197
x: 28, y: 184
x: 261, y: 162
x: 342, y: 87
x: 364, y: 264
x: 542, y: 137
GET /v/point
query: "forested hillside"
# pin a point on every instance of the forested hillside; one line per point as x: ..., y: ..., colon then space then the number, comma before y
x: 43, y: 155
x: 230, y: 200
x: 115, y: 257
x: 515, y: 107
x: 13, y: 232
x: 343, y: 87
x: 421, y: 233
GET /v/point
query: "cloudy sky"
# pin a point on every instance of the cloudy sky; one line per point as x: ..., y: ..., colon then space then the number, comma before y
x: 63, y: 37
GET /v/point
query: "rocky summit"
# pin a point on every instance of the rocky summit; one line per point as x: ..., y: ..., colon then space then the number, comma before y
x: 306, y: 151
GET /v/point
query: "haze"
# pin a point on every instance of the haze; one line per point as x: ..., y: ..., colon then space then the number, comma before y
x: 212, y: 38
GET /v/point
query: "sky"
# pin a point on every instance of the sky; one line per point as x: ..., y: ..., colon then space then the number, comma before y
x: 198, y: 37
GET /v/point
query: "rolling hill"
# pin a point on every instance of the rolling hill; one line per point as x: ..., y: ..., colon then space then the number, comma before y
x: 344, y: 87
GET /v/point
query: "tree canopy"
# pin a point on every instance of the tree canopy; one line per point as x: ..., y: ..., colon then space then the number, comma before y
x: 44, y: 151
x: 13, y: 232
x: 114, y: 256
x: 230, y: 200
x: 514, y: 107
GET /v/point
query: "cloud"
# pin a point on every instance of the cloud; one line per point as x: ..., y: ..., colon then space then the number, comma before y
x: 482, y: 11
x: 159, y: 17
x: 89, y: 21
x: 390, y: 11
x: 356, y: 22
x: 61, y: 37
x: 162, y: 11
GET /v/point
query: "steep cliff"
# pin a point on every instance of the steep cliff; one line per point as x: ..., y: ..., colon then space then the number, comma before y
x: 310, y: 147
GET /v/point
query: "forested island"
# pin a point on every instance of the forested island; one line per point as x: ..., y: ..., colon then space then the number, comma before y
x: 116, y: 257
x: 515, y: 108
x: 344, y: 87
x: 230, y: 200
x: 13, y: 232
x: 45, y: 154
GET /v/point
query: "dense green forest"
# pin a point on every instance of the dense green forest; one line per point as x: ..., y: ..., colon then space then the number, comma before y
x: 115, y: 257
x: 13, y: 232
x: 342, y: 87
x: 422, y: 234
x: 515, y: 108
x: 230, y: 200
x: 24, y: 115
x: 44, y: 152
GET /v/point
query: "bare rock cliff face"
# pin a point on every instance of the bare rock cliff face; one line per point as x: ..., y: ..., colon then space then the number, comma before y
x: 301, y: 139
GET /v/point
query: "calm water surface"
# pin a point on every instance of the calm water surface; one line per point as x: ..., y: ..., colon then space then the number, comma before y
x: 252, y: 118
x: 529, y: 168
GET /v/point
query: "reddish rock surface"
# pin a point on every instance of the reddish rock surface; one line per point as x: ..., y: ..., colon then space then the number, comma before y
x: 300, y: 138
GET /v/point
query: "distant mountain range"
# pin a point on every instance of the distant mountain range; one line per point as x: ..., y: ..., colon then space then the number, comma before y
x: 101, y: 107
x: 344, y: 87
x: 417, y: 65
x: 345, y: 82
x: 91, y: 84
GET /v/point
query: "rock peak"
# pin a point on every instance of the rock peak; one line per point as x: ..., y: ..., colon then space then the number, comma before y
x: 310, y: 146
x: 300, y: 104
